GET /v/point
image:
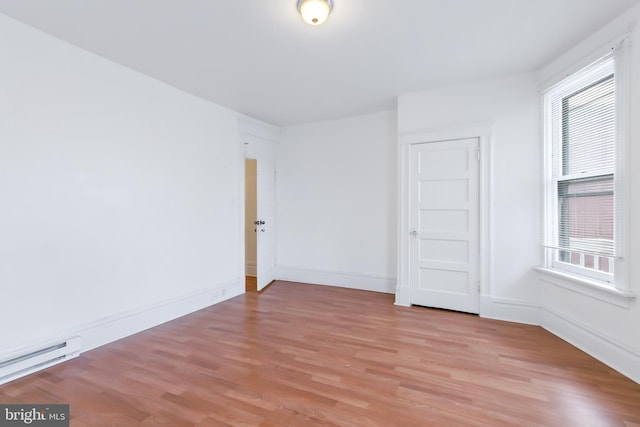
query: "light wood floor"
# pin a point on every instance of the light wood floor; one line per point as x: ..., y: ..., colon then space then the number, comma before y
x: 251, y: 284
x: 302, y: 355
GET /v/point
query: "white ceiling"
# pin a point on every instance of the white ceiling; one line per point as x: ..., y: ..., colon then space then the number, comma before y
x: 259, y: 58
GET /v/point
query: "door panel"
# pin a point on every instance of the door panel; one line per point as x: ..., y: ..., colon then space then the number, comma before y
x: 265, y: 267
x: 447, y: 281
x: 444, y: 250
x: 439, y: 194
x: 444, y: 221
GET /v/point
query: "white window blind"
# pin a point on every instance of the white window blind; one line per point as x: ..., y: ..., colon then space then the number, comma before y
x: 580, y: 120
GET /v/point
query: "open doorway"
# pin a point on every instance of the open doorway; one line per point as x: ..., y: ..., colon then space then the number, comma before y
x: 259, y: 232
x: 250, y: 216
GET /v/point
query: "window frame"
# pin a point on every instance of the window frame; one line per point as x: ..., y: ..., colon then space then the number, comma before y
x: 590, y: 76
x: 568, y: 83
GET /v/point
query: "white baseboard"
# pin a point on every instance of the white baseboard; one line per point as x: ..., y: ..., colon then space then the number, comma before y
x: 509, y: 310
x: 365, y: 282
x: 112, y: 328
x: 250, y: 269
x: 618, y: 356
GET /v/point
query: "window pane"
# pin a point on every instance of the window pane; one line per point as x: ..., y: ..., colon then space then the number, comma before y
x: 589, y: 261
x: 586, y: 217
x: 604, y: 264
x: 588, y: 129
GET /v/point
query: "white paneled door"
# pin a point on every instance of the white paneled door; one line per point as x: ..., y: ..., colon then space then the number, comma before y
x: 444, y: 223
x: 265, y: 259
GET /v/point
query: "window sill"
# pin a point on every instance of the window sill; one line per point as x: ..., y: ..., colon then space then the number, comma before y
x: 585, y: 286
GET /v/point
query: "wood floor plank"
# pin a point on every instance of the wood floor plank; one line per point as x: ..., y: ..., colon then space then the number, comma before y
x: 304, y: 355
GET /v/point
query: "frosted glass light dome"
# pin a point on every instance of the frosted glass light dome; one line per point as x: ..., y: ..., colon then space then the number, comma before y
x: 315, y: 12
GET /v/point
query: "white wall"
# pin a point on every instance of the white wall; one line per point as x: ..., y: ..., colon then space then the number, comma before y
x: 119, y: 196
x: 336, y: 202
x: 510, y: 106
x: 605, y: 330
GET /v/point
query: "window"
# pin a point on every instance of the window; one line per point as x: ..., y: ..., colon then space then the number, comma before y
x: 582, y: 186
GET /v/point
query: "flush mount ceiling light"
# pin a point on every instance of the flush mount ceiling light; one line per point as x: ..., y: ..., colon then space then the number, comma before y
x: 315, y: 12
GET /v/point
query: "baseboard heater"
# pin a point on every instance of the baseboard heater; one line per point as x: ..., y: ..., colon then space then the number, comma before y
x: 24, y: 362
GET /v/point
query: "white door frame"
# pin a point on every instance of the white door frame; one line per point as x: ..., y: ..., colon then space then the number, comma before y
x: 250, y: 131
x: 483, y: 132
